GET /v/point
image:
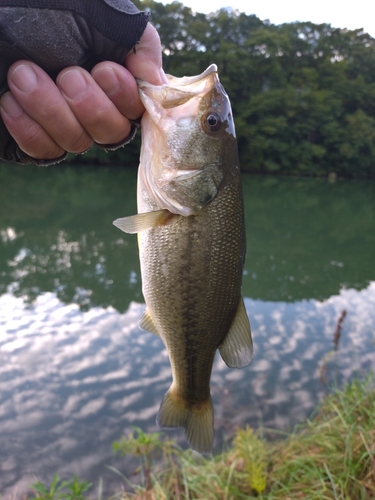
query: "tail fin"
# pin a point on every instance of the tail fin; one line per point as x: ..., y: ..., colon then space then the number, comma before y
x: 197, y: 420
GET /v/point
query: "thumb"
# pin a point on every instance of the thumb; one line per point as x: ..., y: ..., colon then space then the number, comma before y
x: 146, y: 62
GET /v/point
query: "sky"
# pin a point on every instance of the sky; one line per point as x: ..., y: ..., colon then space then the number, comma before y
x: 340, y: 14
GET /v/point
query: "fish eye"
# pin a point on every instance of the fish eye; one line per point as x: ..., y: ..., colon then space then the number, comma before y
x: 212, y: 121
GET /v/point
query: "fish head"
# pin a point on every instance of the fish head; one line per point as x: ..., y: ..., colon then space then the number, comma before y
x: 187, y: 133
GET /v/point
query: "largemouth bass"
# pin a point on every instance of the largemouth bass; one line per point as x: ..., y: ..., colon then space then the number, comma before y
x: 191, y: 242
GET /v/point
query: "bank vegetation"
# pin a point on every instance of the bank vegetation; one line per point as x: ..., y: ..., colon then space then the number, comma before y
x: 330, y: 457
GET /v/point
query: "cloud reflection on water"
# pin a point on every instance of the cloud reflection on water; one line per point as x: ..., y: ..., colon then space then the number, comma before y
x: 72, y: 382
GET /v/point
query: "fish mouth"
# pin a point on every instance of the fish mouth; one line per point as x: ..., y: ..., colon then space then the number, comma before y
x: 184, y: 81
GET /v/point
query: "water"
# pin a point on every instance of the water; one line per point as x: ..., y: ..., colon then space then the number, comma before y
x: 75, y: 370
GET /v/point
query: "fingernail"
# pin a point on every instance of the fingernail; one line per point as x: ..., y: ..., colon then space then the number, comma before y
x: 73, y: 84
x: 24, y: 78
x: 10, y: 106
x: 107, y: 79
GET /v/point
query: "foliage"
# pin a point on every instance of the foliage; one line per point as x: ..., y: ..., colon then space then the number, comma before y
x: 145, y: 446
x: 330, y: 457
x: 74, y: 490
x: 252, y: 451
x: 140, y: 444
x: 334, y: 455
x: 302, y: 93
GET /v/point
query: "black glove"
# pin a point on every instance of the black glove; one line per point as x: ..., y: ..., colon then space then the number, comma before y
x: 60, y: 33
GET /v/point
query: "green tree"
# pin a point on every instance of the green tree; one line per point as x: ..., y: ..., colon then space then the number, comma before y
x: 303, y: 94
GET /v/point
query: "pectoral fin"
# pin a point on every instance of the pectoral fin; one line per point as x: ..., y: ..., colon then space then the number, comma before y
x: 147, y: 220
x: 237, y: 348
x: 147, y: 323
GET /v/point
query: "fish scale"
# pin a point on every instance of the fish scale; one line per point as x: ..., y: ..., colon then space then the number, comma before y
x: 191, y: 243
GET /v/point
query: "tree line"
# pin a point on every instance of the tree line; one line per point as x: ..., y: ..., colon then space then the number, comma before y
x: 303, y: 94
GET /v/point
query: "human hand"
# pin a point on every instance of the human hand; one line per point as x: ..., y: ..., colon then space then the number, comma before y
x: 48, y: 119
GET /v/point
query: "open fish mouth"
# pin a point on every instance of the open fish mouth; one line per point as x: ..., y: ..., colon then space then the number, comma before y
x: 183, y: 81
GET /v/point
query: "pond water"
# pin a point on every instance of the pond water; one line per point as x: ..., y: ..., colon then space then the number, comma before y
x: 75, y: 370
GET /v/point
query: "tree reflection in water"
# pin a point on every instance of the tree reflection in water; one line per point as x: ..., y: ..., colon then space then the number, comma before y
x: 75, y: 370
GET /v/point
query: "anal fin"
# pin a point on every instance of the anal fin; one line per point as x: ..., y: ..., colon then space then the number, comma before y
x: 237, y: 347
x: 147, y: 323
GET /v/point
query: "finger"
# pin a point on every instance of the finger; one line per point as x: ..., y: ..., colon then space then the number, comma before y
x: 92, y: 108
x: 28, y: 134
x: 42, y: 101
x: 146, y: 62
x: 120, y: 87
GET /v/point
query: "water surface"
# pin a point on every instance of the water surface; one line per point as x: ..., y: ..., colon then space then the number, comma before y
x: 75, y: 370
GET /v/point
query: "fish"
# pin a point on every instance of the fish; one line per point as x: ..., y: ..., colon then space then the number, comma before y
x: 191, y: 238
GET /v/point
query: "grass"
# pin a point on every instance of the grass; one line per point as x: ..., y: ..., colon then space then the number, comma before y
x: 330, y: 457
